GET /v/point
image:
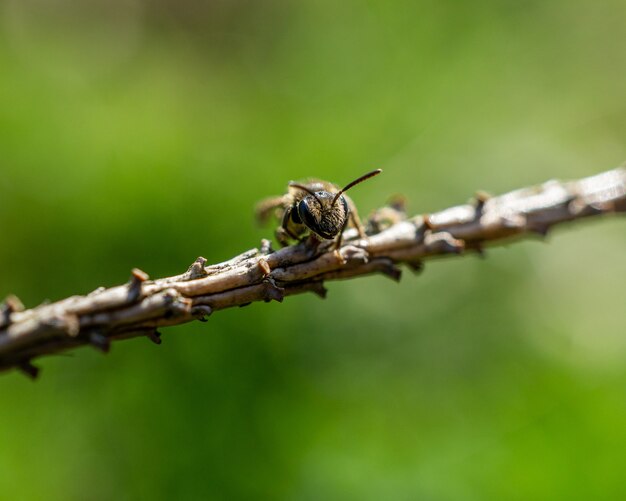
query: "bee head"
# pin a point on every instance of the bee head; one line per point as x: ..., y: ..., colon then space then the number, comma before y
x: 325, y: 213
x: 322, y: 214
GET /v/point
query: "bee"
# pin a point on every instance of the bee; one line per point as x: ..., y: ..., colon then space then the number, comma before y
x: 316, y: 207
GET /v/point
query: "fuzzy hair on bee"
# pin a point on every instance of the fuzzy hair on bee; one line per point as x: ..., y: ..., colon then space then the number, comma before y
x: 315, y: 207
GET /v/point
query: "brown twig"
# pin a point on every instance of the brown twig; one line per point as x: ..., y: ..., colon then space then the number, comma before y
x: 143, y: 306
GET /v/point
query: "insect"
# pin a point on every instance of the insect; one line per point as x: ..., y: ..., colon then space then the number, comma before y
x: 319, y: 207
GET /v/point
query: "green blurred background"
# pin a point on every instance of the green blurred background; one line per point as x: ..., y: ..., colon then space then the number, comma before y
x: 142, y: 132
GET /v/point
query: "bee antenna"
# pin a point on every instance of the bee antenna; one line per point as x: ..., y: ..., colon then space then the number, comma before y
x: 364, y: 177
x: 304, y: 188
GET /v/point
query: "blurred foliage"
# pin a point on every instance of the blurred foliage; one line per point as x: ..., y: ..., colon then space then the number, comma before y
x: 142, y: 132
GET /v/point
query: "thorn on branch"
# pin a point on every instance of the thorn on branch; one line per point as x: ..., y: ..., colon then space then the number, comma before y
x: 136, y: 280
x: 27, y: 368
x: 197, y: 269
x: 264, y: 266
x: 11, y: 304
x: 99, y: 341
x: 318, y: 289
x: 266, y: 246
x: 154, y: 336
x: 416, y: 266
x: 391, y: 271
x: 480, y: 199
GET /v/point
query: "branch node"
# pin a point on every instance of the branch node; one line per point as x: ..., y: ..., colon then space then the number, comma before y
x: 514, y: 221
x: 264, y: 266
x: 272, y: 292
x: 353, y: 255
x: 97, y: 291
x: 179, y: 306
x: 13, y: 303
x: 71, y: 325
x: 201, y: 312
x: 444, y: 243
x: 196, y: 270
x: 68, y: 323
x: 480, y: 199
x: 139, y: 275
x: 135, y: 285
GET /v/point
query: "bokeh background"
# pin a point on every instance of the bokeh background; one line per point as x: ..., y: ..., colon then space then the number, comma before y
x: 142, y: 132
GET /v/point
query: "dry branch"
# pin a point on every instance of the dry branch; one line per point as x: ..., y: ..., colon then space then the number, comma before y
x: 142, y: 306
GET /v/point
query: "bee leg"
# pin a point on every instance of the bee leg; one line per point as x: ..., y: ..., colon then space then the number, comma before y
x: 265, y: 208
x: 282, y: 236
x: 354, y: 219
x: 283, y: 233
x: 340, y: 236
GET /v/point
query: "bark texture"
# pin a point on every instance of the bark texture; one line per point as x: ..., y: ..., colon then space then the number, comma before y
x: 141, y: 307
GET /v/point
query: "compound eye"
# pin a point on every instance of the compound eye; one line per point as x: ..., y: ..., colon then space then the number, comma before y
x: 306, y: 212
